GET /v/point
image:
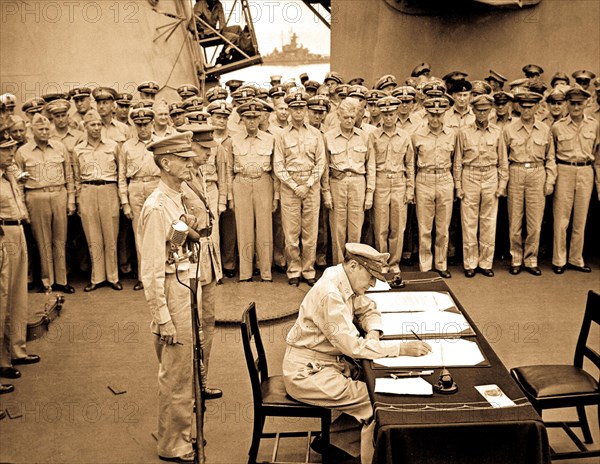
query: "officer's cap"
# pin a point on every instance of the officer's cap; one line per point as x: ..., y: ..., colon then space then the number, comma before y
x: 124, y: 99
x: 187, y: 90
x: 250, y: 108
x: 519, y: 85
x: 179, y: 144
x: 420, y: 69
x: 436, y: 105
x: 104, y: 93
x: 460, y: 86
x: 303, y: 77
x: 267, y: 107
x: 58, y: 106
x: 175, y: 109
x: 556, y: 95
x: 219, y: 107
x: 404, y: 93
x: 374, y: 95
x: 198, y: 117
x: 560, y: 76
x: 150, y: 87
x: 388, y: 104
x: 583, y: 75
x: 9, y: 100
x: 277, y: 90
x: 216, y: 93
x: 49, y: 97
x: 275, y: 79
x: 90, y: 116
x: 318, y: 103
x: 80, y: 92
x: 455, y: 76
x: 33, y: 105
x: 577, y: 94
x: 202, y: 133
x: 530, y: 69
x: 192, y: 103
x: 141, y: 115
x: 296, y: 100
x: 262, y: 93
x: 527, y: 98
x: 6, y: 141
x: 482, y: 102
x: 311, y: 85
x: 539, y: 87
x: 502, y: 97
x: 357, y: 81
x: 358, y: 91
x: 342, y: 90
x: 389, y: 80
x: 234, y: 84
x: 434, y: 89
x: 372, y: 260
x: 333, y: 76
x: 480, y: 88
x: 495, y: 76
x: 143, y: 103
x: 242, y: 95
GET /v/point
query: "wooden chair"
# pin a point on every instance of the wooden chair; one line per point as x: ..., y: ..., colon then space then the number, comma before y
x: 270, y: 397
x: 563, y: 386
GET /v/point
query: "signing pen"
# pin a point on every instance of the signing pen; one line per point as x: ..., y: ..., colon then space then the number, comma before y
x: 418, y: 338
x: 158, y: 335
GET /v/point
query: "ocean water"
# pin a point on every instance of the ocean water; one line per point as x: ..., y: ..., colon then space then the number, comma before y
x: 260, y: 74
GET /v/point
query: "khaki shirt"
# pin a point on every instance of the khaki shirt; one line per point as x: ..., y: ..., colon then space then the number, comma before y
x: 161, y: 208
x: 12, y: 204
x: 576, y: 143
x: 455, y: 120
x: 434, y: 151
x: 480, y: 148
x: 226, y: 147
x: 215, y: 171
x: 410, y: 124
x: 299, y: 151
x: 325, y: 320
x: 394, y: 153
x: 69, y: 139
x: 98, y: 162
x: 135, y: 161
x: 115, y: 130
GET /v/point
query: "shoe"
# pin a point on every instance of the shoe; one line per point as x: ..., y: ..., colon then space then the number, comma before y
x: 310, y: 282
x: 29, y: 359
x: 229, y: 273
x: 469, y: 273
x: 246, y: 280
x: 64, y: 288
x: 295, y: 281
x: 90, y: 287
x: 267, y: 280
x: 583, y: 268
x: 444, y: 274
x: 220, y: 282
x: 280, y: 269
x: 138, y: 286
x: 9, y: 373
x: 45, y: 290
x: 181, y: 459
x: 333, y: 453
x: 534, y: 270
x: 115, y: 285
x: 6, y: 388
x: 212, y: 393
x: 514, y: 270
x: 486, y: 272
x: 558, y: 269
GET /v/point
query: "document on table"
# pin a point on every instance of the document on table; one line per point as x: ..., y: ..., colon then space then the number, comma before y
x: 445, y: 352
x: 413, y: 301
x: 426, y: 324
x: 495, y: 396
x: 380, y: 287
x: 411, y: 386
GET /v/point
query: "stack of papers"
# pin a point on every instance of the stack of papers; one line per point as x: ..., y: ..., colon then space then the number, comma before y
x: 413, y: 301
x: 411, y: 386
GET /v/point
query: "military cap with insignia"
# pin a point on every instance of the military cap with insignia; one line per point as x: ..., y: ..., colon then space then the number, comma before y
x: 334, y: 76
x: 527, y: 98
x: 262, y: 93
x: 201, y: 133
x: 267, y: 107
x: 277, y: 91
x: 436, y: 105
x: 318, y: 103
x: 559, y: 76
x: 104, y: 93
x: 192, y: 103
x: 141, y: 115
x: 33, y: 105
x: 539, y: 87
x: 556, y: 95
x: 388, y: 104
x: 150, y: 87
x: 358, y: 91
x: 502, y: 97
x: 143, y: 103
x: 179, y: 144
x: 342, y: 90
x: 124, y: 99
x: 373, y: 95
x: 480, y: 88
x: 199, y: 117
x: 497, y: 77
x: 454, y: 76
x: 216, y: 93
x: 219, y: 107
x: 583, y: 75
x: 296, y: 100
x: 58, y: 106
x: 405, y: 93
x: 356, y: 81
x: 420, y: 69
x: 460, y: 86
x: 80, y: 92
x: 311, y: 85
x: 91, y: 116
x: 187, y: 90
x: 482, y: 102
x: 371, y: 259
x: 303, y: 78
x: 6, y: 141
x: 532, y: 69
x: 577, y: 94
x: 9, y: 100
x: 54, y: 96
x: 434, y: 89
x: 388, y: 80
x: 519, y: 85
x: 242, y: 95
x: 250, y: 108
x: 233, y: 84
x: 175, y: 108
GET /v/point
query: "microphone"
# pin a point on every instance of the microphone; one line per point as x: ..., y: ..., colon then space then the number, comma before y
x: 177, y: 236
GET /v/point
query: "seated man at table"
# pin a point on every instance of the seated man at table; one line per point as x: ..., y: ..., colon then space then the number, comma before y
x: 318, y: 366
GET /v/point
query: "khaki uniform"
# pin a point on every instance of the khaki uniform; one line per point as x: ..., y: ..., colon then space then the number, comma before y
x: 577, y: 150
x: 395, y: 183
x: 98, y: 204
x: 349, y: 180
x: 531, y: 167
x: 227, y: 229
x: 168, y: 300
x: 115, y: 130
x: 250, y: 184
x: 48, y: 191
x: 13, y: 272
x: 299, y: 159
x: 480, y: 170
x: 434, y: 193
x: 278, y: 234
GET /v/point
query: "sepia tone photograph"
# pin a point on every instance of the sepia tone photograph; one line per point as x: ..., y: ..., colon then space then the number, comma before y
x: 299, y: 231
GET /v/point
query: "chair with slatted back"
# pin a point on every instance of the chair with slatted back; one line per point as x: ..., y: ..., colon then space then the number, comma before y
x: 270, y: 397
x: 563, y: 386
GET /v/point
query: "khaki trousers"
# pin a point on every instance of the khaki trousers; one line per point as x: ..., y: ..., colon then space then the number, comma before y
x: 389, y: 216
x: 175, y: 373
x: 478, y: 212
x: 525, y: 198
x: 207, y: 312
x: 300, y: 220
x: 99, y: 211
x: 13, y: 295
x: 228, y: 240
x: 278, y: 239
x: 253, y: 202
x: 48, y: 213
x: 347, y: 216
x: 138, y: 192
x: 212, y: 192
x: 434, y: 195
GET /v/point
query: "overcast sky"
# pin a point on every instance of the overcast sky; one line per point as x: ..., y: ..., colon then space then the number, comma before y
x: 274, y: 20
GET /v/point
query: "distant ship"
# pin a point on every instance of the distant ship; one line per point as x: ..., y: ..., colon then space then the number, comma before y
x: 293, y: 53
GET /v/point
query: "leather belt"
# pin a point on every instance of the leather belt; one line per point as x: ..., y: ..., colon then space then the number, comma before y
x: 205, y: 232
x: 434, y: 170
x: 389, y: 175
x: 11, y: 222
x: 144, y: 179
x: 98, y: 182
x: 526, y: 165
x: 339, y: 175
x: 252, y: 175
x: 55, y: 188
x: 568, y: 163
x: 479, y: 168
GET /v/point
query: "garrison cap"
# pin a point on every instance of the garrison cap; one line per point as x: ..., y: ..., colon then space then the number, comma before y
x: 234, y: 84
x: 318, y: 103
x: 560, y: 76
x: 483, y: 102
x: 242, y: 95
x: 357, y: 81
x: 577, y: 94
x: 277, y: 91
x: 358, y: 91
x: 420, y: 69
x: 201, y: 133
x: 187, y: 90
x: 80, y: 92
x: 296, y: 100
x: 388, y: 104
x: 502, y: 97
x: 33, y: 105
x: 303, y: 78
x: 104, y: 93
x: 192, y: 103
x: 90, y: 116
x: 141, y: 115
x: 275, y: 79
x: 179, y: 144
x: 251, y: 108
x: 8, y: 99
x: 6, y: 141
x: 219, y: 107
x: 124, y: 99
x: 40, y: 120
x: 143, y: 103
x: 150, y: 87
x: 199, y: 117
x: 55, y: 96
x: 216, y: 93
x: 455, y: 76
x: 311, y: 85
x: 175, y: 109
x: 13, y: 120
x: 527, y: 98
x: 556, y: 95
x: 494, y: 76
x: 533, y: 69
x: 334, y: 76
x: 437, y: 105
x: 480, y: 88
x: 460, y: 86
x: 372, y: 260
x: 405, y: 93
x: 374, y: 95
x: 58, y: 106
x: 342, y: 90
x: 389, y: 80
x: 434, y: 89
